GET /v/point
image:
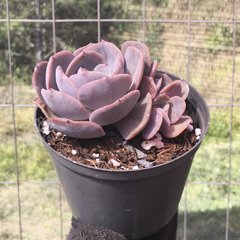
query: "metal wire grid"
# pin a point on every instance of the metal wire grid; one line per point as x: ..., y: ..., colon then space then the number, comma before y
x: 99, y: 21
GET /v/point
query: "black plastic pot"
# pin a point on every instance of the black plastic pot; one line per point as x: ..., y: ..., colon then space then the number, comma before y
x: 135, y: 203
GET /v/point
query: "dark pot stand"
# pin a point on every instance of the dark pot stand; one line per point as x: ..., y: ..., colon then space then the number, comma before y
x: 81, y: 231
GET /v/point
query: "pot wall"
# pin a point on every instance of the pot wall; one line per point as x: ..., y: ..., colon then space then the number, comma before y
x: 136, y: 203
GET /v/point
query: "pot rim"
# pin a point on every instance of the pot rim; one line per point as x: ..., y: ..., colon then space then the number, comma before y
x: 166, y: 164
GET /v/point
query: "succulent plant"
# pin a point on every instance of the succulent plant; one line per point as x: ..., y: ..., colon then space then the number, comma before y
x: 99, y: 85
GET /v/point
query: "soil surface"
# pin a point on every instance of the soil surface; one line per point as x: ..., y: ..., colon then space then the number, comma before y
x: 113, y: 152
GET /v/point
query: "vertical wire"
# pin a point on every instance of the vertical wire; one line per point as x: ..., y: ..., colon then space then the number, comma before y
x: 231, y: 120
x: 60, y: 206
x: 189, y: 31
x: 144, y: 20
x: 54, y: 50
x: 185, y: 214
x: 99, y: 19
x: 54, y: 27
x: 13, y: 119
x: 188, y: 66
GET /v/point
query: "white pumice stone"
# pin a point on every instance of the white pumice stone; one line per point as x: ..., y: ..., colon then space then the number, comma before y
x: 74, y: 152
x: 45, y: 129
x: 59, y: 134
x: 114, y: 162
x: 95, y: 155
x: 135, y: 167
x: 197, y: 132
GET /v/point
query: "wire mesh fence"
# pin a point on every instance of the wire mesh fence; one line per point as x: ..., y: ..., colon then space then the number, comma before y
x: 196, y: 40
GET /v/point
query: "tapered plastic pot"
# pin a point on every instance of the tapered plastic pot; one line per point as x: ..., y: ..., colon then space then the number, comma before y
x: 135, y: 203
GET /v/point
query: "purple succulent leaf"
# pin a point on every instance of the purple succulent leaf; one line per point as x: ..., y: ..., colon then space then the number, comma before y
x: 136, y: 120
x: 62, y: 59
x: 185, y: 90
x: 81, y: 70
x: 147, y: 85
x: 166, y: 108
x: 44, y: 107
x: 108, y: 50
x: 64, y: 105
x: 158, y: 83
x: 103, y: 68
x: 173, y: 89
x: 176, y: 109
x: 153, y: 69
x: 153, y: 124
x: 64, y: 84
x: 116, y: 111
x: 76, y: 129
x: 88, y: 60
x: 166, y: 80
x: 38, y: 78
x: 81, y: 49
x: 146, y: 54
x: 165, y: 121
x: 134, y: 63
x: 118, y: 66
x: 84, y: 76
x: 104, y: 91
x: 177, y: 128
x: 160, y: 100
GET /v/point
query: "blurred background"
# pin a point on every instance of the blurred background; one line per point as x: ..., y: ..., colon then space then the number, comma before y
x: 198, y: 40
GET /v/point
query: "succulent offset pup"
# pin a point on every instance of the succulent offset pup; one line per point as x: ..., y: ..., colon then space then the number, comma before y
x: 100, y: 85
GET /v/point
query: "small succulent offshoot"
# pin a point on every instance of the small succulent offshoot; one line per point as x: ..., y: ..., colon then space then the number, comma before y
x: 99, y: 85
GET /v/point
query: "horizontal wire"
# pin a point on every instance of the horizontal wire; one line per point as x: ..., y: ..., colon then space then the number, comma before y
x: 118, y: 20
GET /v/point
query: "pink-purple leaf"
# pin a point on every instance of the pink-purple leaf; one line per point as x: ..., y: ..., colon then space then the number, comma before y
x: 153, y: 124
x: 165, y: 121
x: 38, y: 78
x: 160, y: 100
x: 176, y: 109
x: 145, y: 51
x: 136, y: 120
x: 173, y: 89
x: 64, y: 84
x: 76, y: 129
x: 158, y: 83
x: 79, y: 50
x: 64, y: 105
x: 103, y: 68
x: 84, y: 76
x: 177, y: 128
x: 134, y: 63
x: 62, y: 59
x: 44, y: 107
x: 185, y: 90
x: 147, y: 85
x: 108, y: 50
x: 105, y: 91
x: 153, y: 69
x: 88, y: 60
x: 116, y: 111
x: 166, y: 108
x: 166, y: 80
x: 118, y: 66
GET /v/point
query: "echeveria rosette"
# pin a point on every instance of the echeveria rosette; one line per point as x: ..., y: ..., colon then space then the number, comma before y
x: 100, y: 85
